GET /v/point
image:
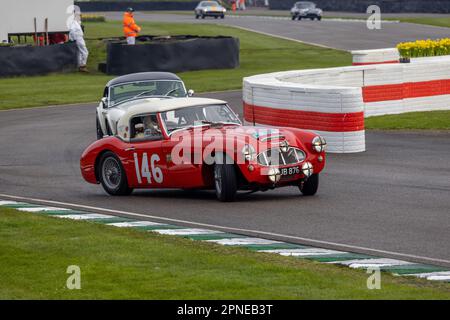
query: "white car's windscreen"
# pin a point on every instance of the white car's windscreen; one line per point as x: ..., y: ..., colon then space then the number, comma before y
x: 210, y: 4
x: 129, y: 91
x: 305, y: 5
x: 197, y: 116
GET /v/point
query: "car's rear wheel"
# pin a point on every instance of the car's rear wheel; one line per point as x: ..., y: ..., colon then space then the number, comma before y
x: 299, y: 18
x: 99, y: 130
x: 197, y: 16
x: 112, y: 175
x: 293, y: 17
x: 310, y: 186
x: 225, y: 182
x: 216, y: 17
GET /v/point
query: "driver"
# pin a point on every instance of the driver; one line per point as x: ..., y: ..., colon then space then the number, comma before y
x: 139, y: 130
x: 151, y: 128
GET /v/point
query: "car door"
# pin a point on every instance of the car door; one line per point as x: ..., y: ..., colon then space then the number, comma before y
x: 184, y: 158
x: 145, y: 154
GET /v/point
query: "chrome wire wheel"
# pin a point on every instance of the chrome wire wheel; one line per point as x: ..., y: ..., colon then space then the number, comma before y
x: 111, y: 173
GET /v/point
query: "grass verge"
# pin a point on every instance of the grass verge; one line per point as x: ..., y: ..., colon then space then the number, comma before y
x: 258, y: 54
x: 430, y: 120
x: 36, y: 250
x: 437, y: 22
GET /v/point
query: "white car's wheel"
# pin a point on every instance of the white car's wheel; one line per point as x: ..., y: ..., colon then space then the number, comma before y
x: 99, y: 130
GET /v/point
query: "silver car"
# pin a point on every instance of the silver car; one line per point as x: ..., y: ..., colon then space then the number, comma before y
x: 120, y: 91
x: 307, y: 10
x: 209, y: 9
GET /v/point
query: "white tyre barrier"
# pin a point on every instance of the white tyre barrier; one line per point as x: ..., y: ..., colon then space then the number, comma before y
x: 377, y: 56
x: 334, y: 102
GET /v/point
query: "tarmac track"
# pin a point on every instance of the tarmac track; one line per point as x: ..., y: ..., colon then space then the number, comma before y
x: 339, y: 34
x: 395, y: 197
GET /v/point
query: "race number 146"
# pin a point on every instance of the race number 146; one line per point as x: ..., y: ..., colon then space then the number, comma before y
x: 148, y: 171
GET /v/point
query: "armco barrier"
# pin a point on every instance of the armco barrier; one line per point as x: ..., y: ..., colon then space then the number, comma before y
x: 334, y: 102
x: 363, y: 57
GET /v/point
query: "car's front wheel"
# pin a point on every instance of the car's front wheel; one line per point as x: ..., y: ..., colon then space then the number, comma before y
x: 310, y: 186
x: 225, y: 182
x: 112, y: 175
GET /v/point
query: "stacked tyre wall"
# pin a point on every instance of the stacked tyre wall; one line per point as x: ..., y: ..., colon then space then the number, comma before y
x: 334, y: 102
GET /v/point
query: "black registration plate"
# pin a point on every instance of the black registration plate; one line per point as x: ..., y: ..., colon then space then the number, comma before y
x: 289, y: 171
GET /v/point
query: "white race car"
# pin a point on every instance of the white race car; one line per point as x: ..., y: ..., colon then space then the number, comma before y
x: 121, y: 90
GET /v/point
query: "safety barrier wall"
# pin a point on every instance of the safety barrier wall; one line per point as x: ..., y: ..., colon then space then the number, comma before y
x: 364, y: 57
x: 430, y: 6
x: 306, y: 99
x: 32, y: 60
x: 177, y: 54
x: 98, y: 6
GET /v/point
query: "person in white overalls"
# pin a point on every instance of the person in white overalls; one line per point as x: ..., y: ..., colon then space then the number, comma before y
x: 76, y: 34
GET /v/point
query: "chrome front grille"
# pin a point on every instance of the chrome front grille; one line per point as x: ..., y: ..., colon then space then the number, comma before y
x: 276, y: 157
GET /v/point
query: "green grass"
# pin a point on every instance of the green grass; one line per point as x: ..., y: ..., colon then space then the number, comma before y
x: 438, y: 22
x: 36, y: 250
x: 259, y: 54
x: 430, y: 120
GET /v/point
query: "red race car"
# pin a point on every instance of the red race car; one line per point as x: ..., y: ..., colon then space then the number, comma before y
x: 198, y: 143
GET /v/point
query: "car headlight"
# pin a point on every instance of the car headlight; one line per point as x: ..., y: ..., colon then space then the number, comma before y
x: 249, y: 152
x: 307, y: 169
x: 274, y: 175
x: 319, y: 144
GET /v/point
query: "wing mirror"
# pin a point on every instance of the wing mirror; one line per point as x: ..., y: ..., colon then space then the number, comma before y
x: 104, y: 100
x: 190, y: 93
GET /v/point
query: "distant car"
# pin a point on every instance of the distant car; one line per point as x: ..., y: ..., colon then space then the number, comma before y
x: 307, y: 10
x: 209, y: 9
x: 121, y: 90
x: 199, y: 143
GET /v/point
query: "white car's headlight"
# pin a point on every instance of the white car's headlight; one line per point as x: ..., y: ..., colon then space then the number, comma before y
x: 319, y: 144
x: 249, y: 152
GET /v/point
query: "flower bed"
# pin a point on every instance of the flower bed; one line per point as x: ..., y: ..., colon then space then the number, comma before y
x: 424, y: 48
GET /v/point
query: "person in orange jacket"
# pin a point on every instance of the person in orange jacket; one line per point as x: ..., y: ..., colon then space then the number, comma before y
x: 130, y: 28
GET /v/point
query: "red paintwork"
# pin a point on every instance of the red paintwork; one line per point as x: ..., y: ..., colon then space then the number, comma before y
x: 189, y: 176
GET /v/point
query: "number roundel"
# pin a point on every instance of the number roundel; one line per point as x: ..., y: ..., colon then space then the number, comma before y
x: 146, y: 171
